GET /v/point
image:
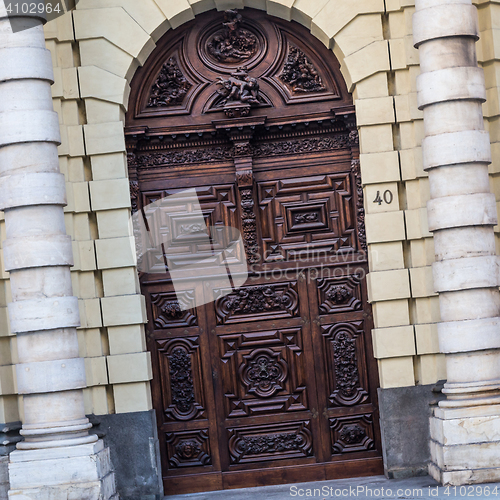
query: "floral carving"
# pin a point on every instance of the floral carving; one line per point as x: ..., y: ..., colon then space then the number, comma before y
x: 360, y: 210
x: 271, y: 443
x: 188, y: 449
x: 307, y: 145
x: 181, y: 380
x: 352, y: 434
x: 263, y: 372
x: 170, y: 87
x: 346, y: 368
x: 172, y: 309
x: 233, y: 43
x: 249, y: 226
x: 339, y: 294
x: 304, y: 218
x: 259, y: 299
x: 287, y: 441
x: 176, y: 157
x: 300, y: 73
x: 134, y: 195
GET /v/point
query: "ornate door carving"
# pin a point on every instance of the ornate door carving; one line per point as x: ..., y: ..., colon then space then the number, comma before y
x: 274, y: 381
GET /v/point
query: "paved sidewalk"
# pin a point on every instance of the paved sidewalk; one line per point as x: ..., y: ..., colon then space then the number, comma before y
x: 360, y: 488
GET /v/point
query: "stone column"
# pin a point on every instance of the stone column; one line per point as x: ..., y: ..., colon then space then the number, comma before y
x: 465, y: 427
x: 58, y: 458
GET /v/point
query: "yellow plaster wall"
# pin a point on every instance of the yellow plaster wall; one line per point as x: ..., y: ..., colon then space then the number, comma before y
x: 96, y: 50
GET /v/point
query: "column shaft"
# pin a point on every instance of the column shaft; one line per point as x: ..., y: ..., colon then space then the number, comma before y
x: 461, y: 215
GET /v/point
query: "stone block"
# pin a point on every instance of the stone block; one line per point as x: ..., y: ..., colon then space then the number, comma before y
x: 103, y: 112
x: 374, y: 86
x: 303, y: 11
x: 114, y: 24
x: 380, y: 167
x: 109, y: 166
x: 381, y: 197
x: 92, y: 343
x: 121, y: 281
x: 391, y: 313
x: 422, y: 282
x: 115, y: 252
x: 375, y: 111
x: 110, y: 194
x: 101, y: 84
x: 386, y: 256
x: 404, y: 421
x: 369, y: 60
x: 385, y: 227
x: 426, y: 310
x: 75, y: 140
x: 123, y: 310
x: 133, y: 442
x: 376, y: 139
x: 126, y: 339
x: 126, y: 368
x: 178, y: 12
x: 280, y: 8
x: 388, y: 285
x: 360, y: 32
x: 103, y: 54
x: 416, y: 224
x: 412, y: 163
x: 96, y: 371
x: 114, y: 223
x: 90, y: 313
x: 430, y: 368
x: 81, y: 198
x: 132, y: 397
x: 427, y: 338
x: 86, y: 255
x: 393, y: 342
x: 101, y: 138
x: 396, y: 372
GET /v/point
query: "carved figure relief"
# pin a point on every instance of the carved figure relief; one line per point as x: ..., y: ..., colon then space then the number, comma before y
x: 339, y: 294
x: 188, y: 449
x: 233, y: 43
x: 167, y: 310
x: 352, y: 433
x: 238, y: 93
x: 170, y: 87
x: 299, y: 73
x: 263, y: 372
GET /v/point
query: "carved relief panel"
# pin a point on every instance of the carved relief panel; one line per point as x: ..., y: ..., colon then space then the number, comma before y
x: 307, y: 216
x: 344, y: 354
x: 263, y: 372
x: 181, y: 375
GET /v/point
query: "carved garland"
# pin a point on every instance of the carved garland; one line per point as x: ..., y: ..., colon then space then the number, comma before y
x: 249, y: 225
x: 346, y: 367
x: 360, y: 210
x: 170, y: 87
x: 299, y: 73
x: 181, y: 380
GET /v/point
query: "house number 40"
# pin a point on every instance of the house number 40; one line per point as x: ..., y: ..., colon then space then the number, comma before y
x: 387, y: 197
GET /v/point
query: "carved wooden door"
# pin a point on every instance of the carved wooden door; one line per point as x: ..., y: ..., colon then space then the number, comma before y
x: 275, y: 381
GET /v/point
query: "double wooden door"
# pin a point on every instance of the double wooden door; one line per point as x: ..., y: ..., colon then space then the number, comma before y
x: 275, y: 381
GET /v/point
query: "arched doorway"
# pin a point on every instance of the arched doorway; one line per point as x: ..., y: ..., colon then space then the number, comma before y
x: 274, y: 382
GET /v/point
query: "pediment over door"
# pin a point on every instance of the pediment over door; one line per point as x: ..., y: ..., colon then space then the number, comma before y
x: 222, y: 59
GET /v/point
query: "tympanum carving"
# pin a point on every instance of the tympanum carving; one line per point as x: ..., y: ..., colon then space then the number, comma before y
x: 232, y: 43
x: 299, y: 72
x: 170, y: 87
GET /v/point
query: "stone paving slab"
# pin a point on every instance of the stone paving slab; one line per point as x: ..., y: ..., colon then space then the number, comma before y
x: 365, y: 488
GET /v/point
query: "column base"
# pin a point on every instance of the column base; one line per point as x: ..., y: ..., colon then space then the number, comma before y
x: 465, y: 445
x: 68, y: 473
